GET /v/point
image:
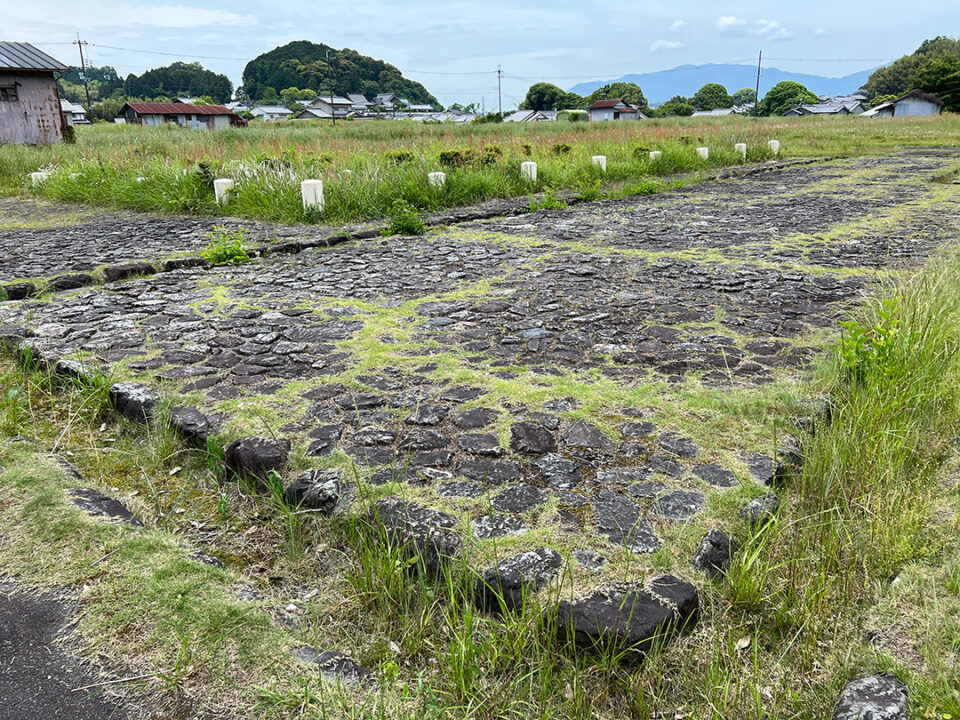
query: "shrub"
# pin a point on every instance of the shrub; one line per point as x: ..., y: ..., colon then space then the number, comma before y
x: 404, y: 220
x: 492, y: 154
x: 457, y: 157
x: 647, y: 186
x: 399, y: 157
x: 589, y: 189
x: 226, y: 247
x: 549, y: 201
x: 561, y: 148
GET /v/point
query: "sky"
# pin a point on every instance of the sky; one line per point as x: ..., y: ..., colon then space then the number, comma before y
x: 454, y: 48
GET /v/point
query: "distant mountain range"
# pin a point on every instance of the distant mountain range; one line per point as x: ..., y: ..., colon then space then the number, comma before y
x: 685, y: 80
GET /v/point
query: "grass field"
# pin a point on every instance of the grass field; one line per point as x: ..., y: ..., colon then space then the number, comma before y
x: 367, y: 166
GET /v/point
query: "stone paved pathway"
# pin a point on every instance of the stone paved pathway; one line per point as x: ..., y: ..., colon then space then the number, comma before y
x: 597, y: 379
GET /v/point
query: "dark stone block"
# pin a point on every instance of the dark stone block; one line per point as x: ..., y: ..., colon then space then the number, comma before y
x: 20, y: 290
x: 191, y: 424
x: 876, y: 697
x: 584, y: 435
x: 621, y: 521
x: 531, y: 438
x: 475, y: 418
x: 715, y: 475
x: 519, y: 499
x: 71, y: 282
x: 492, y: 472
x: 335, y: 666
x: 182, y: 263
x: 255, y: 458
x: 714, y: 552
x: 323, y: 440
x: 428, y: 414
x: 422, y: 533
x: 134, y: 401
x: 679, y: 505
x: 497, y: 526
x: 122, y: 271
x: 678, y: 446
x: 509, y: 583
x: 760, y: 510
x: 480, y: 444
x: 629, y: 618
x: 103, y: 506
x: 558, y: 473
x: 315, y: 490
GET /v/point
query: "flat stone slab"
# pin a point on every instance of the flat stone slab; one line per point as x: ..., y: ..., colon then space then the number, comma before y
x: 622, y: 522
x: 714, y: 552
x: 316, y: 490
x: 513, y: 581
x: 490, y: 527
x: 102, y: 506
x: 134, y: 401
x: 254, y: 458
x: 679, y: 505
x: 629, y: 618
x: 335, y: 666
x: 875, y: 697
x: 518, y: 499
x: 428, y: 535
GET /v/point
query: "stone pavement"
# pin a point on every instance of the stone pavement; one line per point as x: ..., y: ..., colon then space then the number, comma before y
x: 595, y: 380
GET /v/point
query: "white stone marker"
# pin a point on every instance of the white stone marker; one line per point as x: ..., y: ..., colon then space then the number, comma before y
x: 36, y: 178
x: 703, y: 152
x: 655, y: 154
x: 221, y: 186
x: 311, y: 191
x: 437, y: 179
x: 774, y: 146
x: 529, y: 170
x: 600, y: 161
x: 742, y: 149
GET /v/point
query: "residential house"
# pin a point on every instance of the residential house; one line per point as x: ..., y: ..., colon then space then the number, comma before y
x: 271, y: 112
x: 840, y: 105
x: 196, y: 117
x: 614, y: 110
x: 361, y: 105
x: 73, y: 113
x: 414, y: 107
x: 719, y: 112
x: 915, y: 102
x: 385, y: 102
x: 30, y: 112
x: 327, y: 107
x: 237, y: 106
x: 531, y: 116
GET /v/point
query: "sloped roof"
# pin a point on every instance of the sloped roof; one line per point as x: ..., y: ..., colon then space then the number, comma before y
x: 920, y: 95
x: 600, y: 104
x: 24, y: 56
x: 176, y: 109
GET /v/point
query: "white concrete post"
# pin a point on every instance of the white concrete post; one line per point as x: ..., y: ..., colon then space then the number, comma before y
x: 703, y: 152
x: 774, y: 146
x: 39, y: 177
x: 529, y: 170
x: 437, y: 179
x: 600, y: 161
x: 655, y: 154
x: 742, y: 149
x: 312, y: 193
x: 221, y: 186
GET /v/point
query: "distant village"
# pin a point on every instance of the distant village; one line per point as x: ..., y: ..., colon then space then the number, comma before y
x: 28, y: 77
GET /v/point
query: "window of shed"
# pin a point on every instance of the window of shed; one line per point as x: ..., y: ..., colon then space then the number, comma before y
x: 8, y: 93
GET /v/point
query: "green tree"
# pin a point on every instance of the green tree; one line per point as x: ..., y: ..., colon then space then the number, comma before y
x: 323, y: 69
x: 678, y: 108
x: 711, y: 97
x: 269, y: 97
x: 546, y: 96
x: 179, y: 79
x: 783, y: 96
x: 746, y: 96
x: 626, y: 91
x: 942, y: 78
x: 897, y: 77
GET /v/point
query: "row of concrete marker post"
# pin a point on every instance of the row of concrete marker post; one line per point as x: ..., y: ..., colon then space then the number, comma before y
x: 311, y: 191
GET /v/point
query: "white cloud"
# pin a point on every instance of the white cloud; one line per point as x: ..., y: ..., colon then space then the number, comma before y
x: 677, y: 24
x: 766, y: 29
x: 177, y: 16
x: 658, y: 45
x: 729, y: 22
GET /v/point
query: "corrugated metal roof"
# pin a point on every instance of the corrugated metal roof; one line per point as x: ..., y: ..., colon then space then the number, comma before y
x: 177, y: 109
x: 24, y: 56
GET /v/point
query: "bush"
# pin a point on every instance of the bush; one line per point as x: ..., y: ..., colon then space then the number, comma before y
x: 226, y: 247
x: 404, y: 220
x: 573, y: 116
x: 648, y: 186
x: 589, y: 189
x: 399, y: 157
x: 549, y: 201
x: 457, y: 157
x: 561, y: 148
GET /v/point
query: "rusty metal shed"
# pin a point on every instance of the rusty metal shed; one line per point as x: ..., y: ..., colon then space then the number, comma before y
x: 30, y: 112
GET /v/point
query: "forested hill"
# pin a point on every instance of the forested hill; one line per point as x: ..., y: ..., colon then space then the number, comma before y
x: 303, y: 64
x: 179, y: 79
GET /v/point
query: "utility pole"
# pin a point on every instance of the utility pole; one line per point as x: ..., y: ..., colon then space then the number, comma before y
x: 83, y: 69
x: 756, y: 98
x: 499, y: 95
x: 333, y: 109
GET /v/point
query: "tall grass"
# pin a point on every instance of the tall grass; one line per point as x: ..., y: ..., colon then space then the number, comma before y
x: 367, y: 165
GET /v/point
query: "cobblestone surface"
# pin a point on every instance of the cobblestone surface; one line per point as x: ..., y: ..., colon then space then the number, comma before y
x: 530, y: 376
